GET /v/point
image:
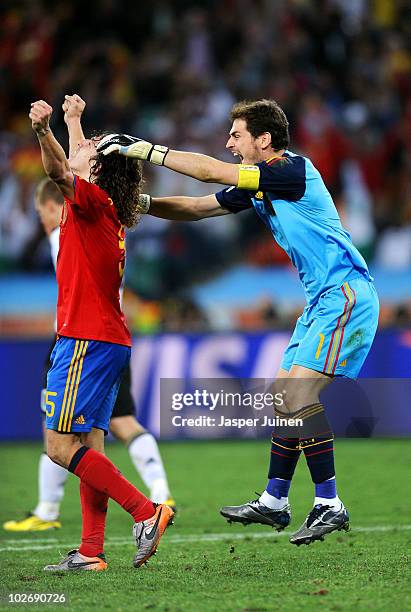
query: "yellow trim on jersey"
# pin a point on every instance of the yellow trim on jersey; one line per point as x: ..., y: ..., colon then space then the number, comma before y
x: 63, y: 407
x: 248, y: 177
x: 77, y: 384
x: 121, y: 238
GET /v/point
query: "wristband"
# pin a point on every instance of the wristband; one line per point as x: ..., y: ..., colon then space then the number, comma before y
x: 144, y: 202
x: 146, y: 151
x: 157, y: 155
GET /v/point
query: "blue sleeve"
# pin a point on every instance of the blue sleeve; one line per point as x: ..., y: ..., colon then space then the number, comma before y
x: 233, y: 199
x: 284, y: 177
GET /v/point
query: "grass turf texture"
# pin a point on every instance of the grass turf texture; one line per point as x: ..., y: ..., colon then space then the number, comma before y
x: 238, y: 570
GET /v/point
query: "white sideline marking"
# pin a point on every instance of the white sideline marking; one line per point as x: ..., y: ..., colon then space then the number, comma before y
x: 53, y: 543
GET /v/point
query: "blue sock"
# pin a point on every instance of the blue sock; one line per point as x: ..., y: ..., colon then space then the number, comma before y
x: 277, y: 487
x: 326, y: 489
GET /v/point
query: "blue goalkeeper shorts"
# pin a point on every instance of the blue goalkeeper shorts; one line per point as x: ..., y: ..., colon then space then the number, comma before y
x: 82, y: 384
x: 334, y: 335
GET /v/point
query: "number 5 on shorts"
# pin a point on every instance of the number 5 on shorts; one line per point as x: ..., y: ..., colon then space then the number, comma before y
x: 50, y: 406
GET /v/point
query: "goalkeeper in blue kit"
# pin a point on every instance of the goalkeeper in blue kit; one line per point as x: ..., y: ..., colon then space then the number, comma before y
x: 333, y: 335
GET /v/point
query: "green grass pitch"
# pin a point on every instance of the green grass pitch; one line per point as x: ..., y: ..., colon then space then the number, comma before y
x: 205, y: 564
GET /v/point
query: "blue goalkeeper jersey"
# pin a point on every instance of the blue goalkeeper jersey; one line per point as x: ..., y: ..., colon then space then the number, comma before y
x: 294, y: 203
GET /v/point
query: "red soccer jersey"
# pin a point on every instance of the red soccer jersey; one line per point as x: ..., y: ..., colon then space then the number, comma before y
x: 90, y: 267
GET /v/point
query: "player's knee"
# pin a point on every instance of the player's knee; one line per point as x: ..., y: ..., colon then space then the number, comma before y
x: 124, y: 428
x: 115, y: 428
x: 93, y: 439
x: 60, y: 448
x: 292, y: 396
x: 290, y: 393
x: 297, y: 393
x: 56, y: 455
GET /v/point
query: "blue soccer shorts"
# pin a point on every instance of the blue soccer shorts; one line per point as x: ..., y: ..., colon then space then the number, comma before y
x: 335, y: 335
x: 82, y: 384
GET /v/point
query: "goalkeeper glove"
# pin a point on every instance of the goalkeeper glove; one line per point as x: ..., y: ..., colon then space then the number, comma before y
x: 130, y: 146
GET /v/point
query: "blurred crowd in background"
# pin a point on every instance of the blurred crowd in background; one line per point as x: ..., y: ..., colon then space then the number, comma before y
x: 169, y: 72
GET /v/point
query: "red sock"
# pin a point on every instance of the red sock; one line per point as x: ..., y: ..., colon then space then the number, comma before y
x: 94, y: 511
x: 96, y: 470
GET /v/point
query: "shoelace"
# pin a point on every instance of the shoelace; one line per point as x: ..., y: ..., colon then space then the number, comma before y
x: 257, y: 500
x: 145, y: 526
x: 254, y: 501
x: 71, y: 553
x: 316, y: 513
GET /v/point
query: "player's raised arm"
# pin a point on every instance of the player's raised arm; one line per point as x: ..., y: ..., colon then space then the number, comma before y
x: 198, y: 166
x: 54, y: 159
x: 73, y: 107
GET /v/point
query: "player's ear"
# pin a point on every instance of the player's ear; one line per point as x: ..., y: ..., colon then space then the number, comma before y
x: 265, y: 140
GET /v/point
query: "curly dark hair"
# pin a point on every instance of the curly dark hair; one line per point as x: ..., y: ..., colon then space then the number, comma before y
x: 121, y: 177
x: 264, y: 116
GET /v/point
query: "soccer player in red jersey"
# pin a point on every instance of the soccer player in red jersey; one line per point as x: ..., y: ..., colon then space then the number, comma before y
x: 141, y: 445
x: 93, y: 346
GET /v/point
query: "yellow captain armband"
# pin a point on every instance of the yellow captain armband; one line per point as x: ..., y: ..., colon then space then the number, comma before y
x: 248, y: 177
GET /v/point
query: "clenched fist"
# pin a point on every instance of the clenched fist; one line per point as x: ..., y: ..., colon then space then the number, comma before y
x: 73, y: 107
x: 40, y: 114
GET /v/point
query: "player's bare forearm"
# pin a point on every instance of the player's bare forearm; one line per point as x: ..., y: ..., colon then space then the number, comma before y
x: 55, y: 162
x: 54, y: 159
x: 196, y: 165
x: 75, y: 133
x: 202, y: 167
x: 175, y: 208
x: 73, y: 107
x: 182, y: 208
